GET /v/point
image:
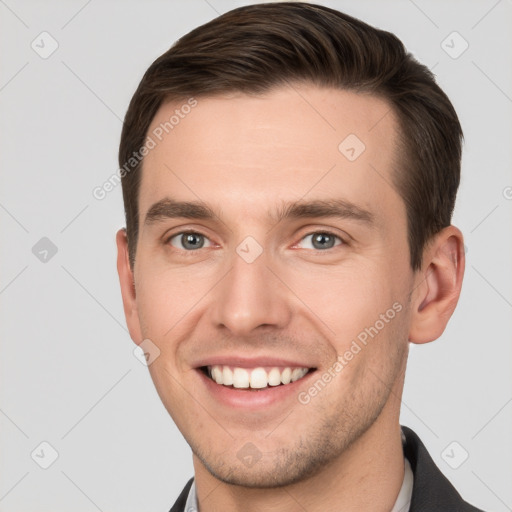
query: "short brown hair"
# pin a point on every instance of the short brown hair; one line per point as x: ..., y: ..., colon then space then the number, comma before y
x: 255, y: 48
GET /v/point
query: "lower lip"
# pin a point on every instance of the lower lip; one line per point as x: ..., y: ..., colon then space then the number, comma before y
x: 253, y: 399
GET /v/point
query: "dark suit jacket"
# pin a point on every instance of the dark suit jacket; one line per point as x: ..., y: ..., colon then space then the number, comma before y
x: 431, y: 492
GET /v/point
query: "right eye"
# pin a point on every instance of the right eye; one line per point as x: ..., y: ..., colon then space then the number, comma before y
x: 189, y: 241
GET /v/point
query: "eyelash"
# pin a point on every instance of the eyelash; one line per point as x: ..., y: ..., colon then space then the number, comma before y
x: 325, y: 232
x: 192, y: 232
x: 167, y: 241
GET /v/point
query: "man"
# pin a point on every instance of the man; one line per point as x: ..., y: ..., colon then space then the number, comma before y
x: 289, y: 175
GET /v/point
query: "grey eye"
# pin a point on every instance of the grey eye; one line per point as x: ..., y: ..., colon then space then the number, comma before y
x: 321, y: 241
x: 189, y: 241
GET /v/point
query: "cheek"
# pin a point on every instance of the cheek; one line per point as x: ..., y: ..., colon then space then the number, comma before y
x: 346, y: 299
x: 168, y: 299
x: 173, y: 396
x: 153, y: 305
x: 363, y: 308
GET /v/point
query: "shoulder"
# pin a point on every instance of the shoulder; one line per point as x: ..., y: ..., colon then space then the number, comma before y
x: 431, y: 489
x: 179, y: 505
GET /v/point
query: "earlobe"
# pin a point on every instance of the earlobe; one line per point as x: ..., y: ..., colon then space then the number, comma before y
x: 438, y: 287
x: 126, y: 280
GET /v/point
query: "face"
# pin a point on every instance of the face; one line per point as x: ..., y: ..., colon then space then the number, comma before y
x: 272, y: 273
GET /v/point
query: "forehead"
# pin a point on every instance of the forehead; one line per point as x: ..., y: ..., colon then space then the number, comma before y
x: 246, y: 153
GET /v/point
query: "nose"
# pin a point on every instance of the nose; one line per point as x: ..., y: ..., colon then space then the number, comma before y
x: 250, y: 297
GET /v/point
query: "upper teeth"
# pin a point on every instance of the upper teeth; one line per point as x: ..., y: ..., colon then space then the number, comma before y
x: 254, y: 378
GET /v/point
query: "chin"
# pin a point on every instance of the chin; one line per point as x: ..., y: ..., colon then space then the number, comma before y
x: 267, y: 476
x: 272, y: 470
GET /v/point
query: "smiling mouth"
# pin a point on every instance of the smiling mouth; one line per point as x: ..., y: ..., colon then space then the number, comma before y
x: 254, y: 378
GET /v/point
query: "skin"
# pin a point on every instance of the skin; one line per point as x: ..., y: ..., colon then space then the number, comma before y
x: 244, y: 157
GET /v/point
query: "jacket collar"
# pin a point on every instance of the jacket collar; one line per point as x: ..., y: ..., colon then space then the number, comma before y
x: 431, y: 489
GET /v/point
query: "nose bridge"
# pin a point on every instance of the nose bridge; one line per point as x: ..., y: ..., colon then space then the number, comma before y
x: 249, y: 296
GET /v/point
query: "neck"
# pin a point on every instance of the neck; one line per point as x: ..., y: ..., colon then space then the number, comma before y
x: 367, y: 476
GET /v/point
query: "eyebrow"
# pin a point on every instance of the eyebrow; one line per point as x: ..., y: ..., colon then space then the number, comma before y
x: 169, y: 209
x: 324, y: 208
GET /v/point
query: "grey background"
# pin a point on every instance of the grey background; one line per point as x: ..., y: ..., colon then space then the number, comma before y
x: 67, y: 369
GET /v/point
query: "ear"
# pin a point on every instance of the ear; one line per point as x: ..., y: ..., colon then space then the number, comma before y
x: 127, y: 282
x: 437, y: 285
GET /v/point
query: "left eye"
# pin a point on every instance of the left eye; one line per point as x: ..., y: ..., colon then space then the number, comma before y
x: 189, y: 241
x: 320, y: 241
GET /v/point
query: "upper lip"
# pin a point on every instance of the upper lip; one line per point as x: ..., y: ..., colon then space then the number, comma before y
x: 250, y: 362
